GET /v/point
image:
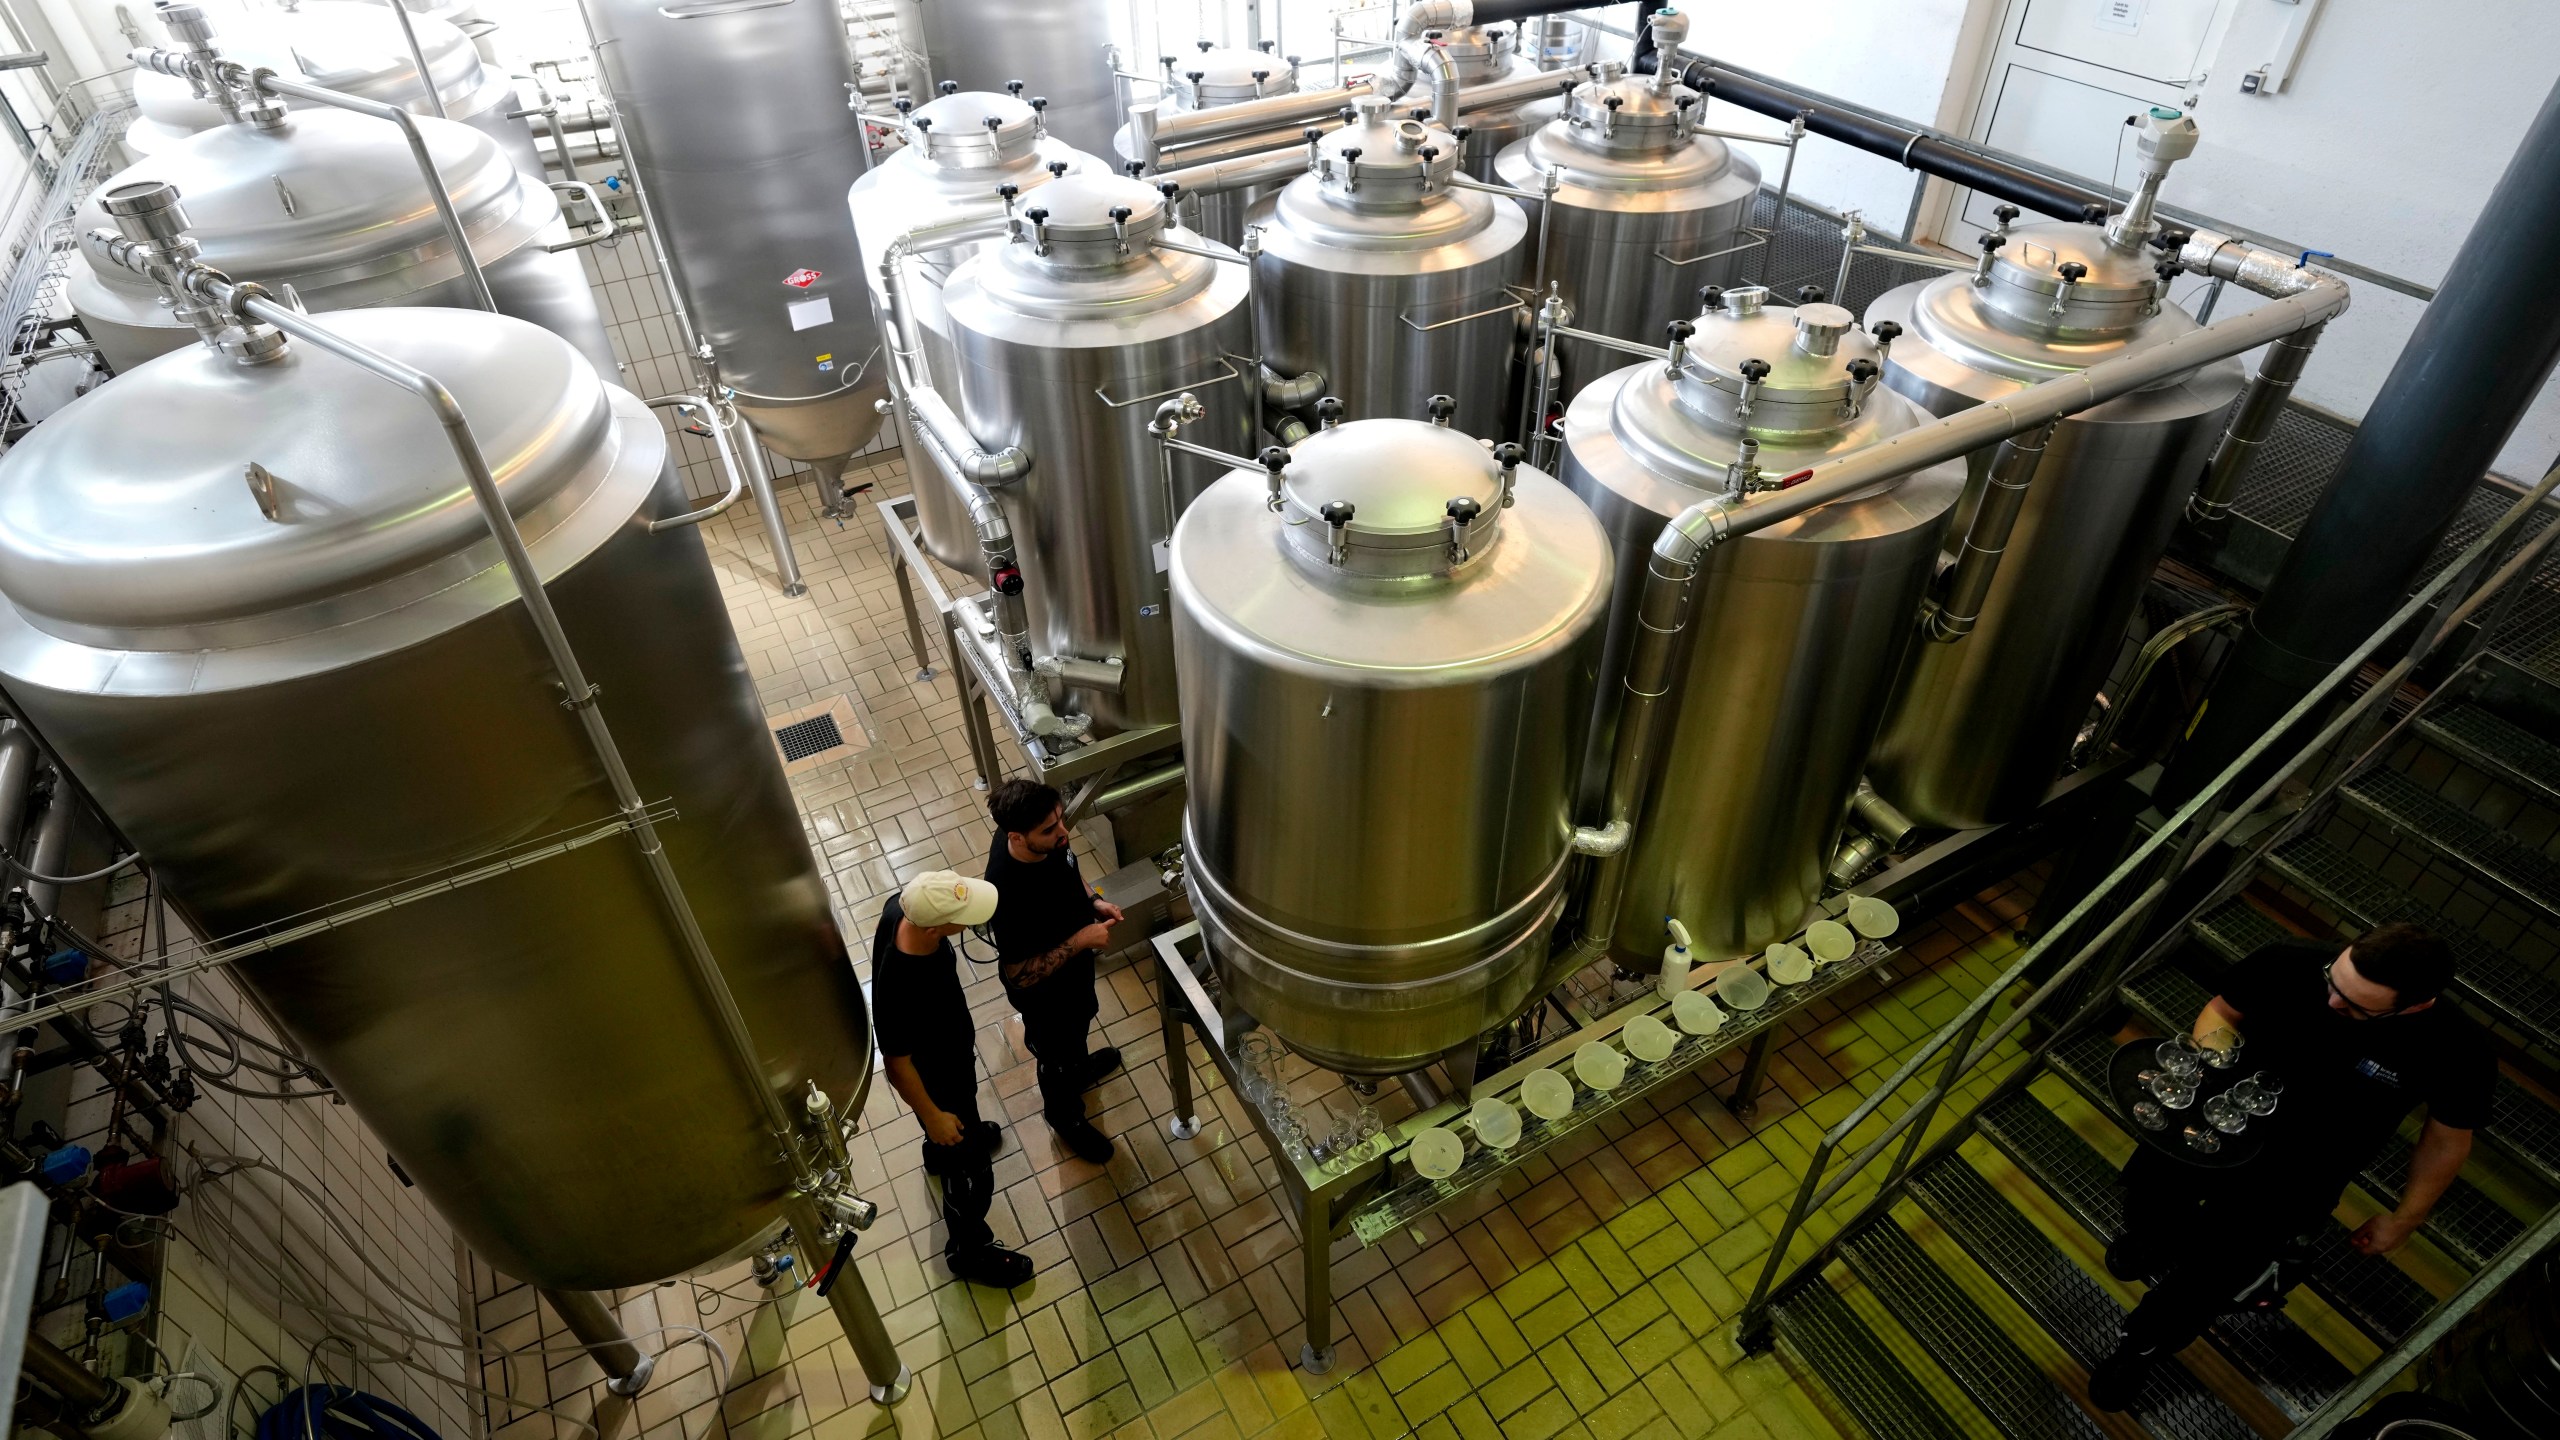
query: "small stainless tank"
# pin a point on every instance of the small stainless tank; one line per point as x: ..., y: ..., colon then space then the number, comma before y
x: 1390, y: 281
x: 1067, y: 338
x: 331, y: 203
x: 1981, y: 727
x: 1644, y: 207
x: 1481, y: 55
x: 347, y: 698
x: 1380, y: 718
x: 351, y: 46
x: 1209, y: 77
x: 952, y: 168
x: 1794, y: 633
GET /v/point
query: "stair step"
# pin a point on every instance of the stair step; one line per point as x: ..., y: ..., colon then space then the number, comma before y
x: 2486, y: 977
x: 2458, y: 835
x: 2236, y: 929
x: 2498, y: 745
x: 2469, y: 1225
x: 1968, y: 1344
x: 2063, y: 1298
x: 1829, y: 1339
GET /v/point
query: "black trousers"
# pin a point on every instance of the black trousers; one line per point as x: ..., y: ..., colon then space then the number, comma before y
x: 2211, y: 1235
x: 968, y: 1178
x: 1057, y: 1023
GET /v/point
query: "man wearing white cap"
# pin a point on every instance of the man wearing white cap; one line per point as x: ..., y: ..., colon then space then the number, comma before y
x: 920, y: 1015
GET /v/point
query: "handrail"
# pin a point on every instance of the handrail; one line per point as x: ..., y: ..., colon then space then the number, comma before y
x: 2200, y: 824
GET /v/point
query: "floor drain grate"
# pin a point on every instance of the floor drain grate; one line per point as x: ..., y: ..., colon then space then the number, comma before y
x: 803, y: 739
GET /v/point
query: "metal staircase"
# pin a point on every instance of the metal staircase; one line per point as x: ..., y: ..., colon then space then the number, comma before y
x: 1965, y: 1295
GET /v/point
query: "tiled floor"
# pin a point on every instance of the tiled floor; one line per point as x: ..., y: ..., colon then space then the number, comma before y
x: 1592, y: 1295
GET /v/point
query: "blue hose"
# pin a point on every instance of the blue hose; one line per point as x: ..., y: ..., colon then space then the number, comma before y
x: 334, y: 1412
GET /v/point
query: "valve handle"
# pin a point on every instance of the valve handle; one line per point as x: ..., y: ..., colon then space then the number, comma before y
x: 1274, y: 459
x: 2004, y: 213
x: 1464, y: 509
x: 1710, y: 297
x: 1886, y: 332
x: 1013, y: 88
x: 1135, y: 168
x: 947, y: 87
x: 1755, y: 370
x: 1682, y: 329
x: 1862, y: 370
x: 1811, y: 294
x: 1993, y: 242
x: 1057, y: 168
x: 2072, y: 271
x: 1508, y: 455
x: 1036, y: 215
x: 1338, y: 512
x: 1440, y: 407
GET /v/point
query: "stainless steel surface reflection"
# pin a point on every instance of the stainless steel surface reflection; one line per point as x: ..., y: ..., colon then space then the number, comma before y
x: 288, y: 713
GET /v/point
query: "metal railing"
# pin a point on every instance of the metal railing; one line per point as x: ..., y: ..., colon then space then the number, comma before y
x: 2083, y: 985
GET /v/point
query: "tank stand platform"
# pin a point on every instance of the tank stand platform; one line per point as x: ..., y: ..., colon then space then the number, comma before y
x: 1373, y: 1191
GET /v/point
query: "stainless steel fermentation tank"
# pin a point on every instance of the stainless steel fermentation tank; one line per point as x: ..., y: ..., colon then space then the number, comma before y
x: 318, y: 682
x: 951, y: 168
x: 353, y: 47
x: 1388, y: 280
x: 1207, y: 79
x: 1645, y: 214
x: 1794, y: 634
x: 733, y: 114
x: 1480, y: 55
x: 333, y: 204
x: 1386, y: 674
x: 1981, y: 726
x: 1061, y: 46
x: 1065, y: 339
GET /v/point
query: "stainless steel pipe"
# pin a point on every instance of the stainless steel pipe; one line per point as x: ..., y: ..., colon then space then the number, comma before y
x: 2004, y: 495
x: 594, y: 1325
x: 2261, y: 405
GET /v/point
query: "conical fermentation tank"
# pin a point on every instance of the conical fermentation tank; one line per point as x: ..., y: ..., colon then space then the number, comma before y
x: 332, y: 203
x: 355, y: 48
x: 1643, y: 212
x: 1211, y: 77
x: 1388, y: 280
x: 1386, y: 675
x: 733, y: 119
x: 1781, y: 674
x: 1066, y: 338
x: 278, y: 645
x: 961, y: 151
x: 1981, y: 726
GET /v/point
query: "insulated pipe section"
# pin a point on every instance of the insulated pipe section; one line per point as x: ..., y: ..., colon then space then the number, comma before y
x: 50, y: 846
x: 19, y: 764
x: 2261, y: 405
x: 592, y: 1321
x: 101, y: 1409
x: 1977, y: 564
x: 1242, y: 173
x: 1444, y: 79
x: 1245, y: 117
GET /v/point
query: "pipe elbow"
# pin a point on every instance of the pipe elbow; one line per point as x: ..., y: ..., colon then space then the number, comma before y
x: 1609, y: 839
x: 1687, y: 536
x: 1292, y: 392
x: 1428, y: 15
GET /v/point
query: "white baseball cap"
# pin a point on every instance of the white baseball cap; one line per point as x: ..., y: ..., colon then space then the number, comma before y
x: 944, y: 897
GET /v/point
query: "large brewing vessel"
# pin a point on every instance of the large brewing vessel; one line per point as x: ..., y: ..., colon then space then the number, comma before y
x: 1481, y: 55
x: 332, y: 203
x: 1645, y: 212
x: 1794, y: 632
x: 1981, y: 726
x: 295, y: 691
x: 1060, y: 46
x: 1382, y: 276
x: 735, y: 124
x: 961, y: 151
x: 1205, y: 80
x: 1066, y: 339
x: 1386, y: 673
x: 355, y: 48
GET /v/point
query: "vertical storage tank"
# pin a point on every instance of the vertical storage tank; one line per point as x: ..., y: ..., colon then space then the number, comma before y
x: 1980, y: 727
x: 1644, y: 207
x: 1386, y: 673
x: 1066, y: 338
x: 962, y: 150
x: 1794, y: 632
x: 734, y: 120
x: 331, y: 203
x: 1206, y: 80
x: 1060, y: 46
x: 1382, y: 276
x: 235, y: 669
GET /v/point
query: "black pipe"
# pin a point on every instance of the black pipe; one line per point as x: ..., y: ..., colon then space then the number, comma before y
x: 2478, y: 358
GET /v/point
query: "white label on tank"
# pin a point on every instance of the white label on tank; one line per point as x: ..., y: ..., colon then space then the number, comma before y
x: 2124, y: 15
x: 806, y: 313
x: 1164, y: 556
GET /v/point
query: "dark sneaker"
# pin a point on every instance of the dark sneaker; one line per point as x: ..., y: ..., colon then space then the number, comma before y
x: 1088, y: 1143
x: 992, y: 1265
x: 1100, y: 1064
x: 2119, y: 1377
x: 988, y: 1137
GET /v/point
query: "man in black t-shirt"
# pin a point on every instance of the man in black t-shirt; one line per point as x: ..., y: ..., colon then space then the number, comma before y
x: 920, y: 1016
x: 2359, y: 1039
x: 1047, y: 932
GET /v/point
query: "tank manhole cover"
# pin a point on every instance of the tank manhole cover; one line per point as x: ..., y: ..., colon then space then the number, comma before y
x: 813, y: 735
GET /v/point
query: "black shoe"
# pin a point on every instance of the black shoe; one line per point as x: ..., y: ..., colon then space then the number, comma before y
x: 991, y: 1265
x: 2127, y: 1262
x: 988, y: 1137
x: 2119, y: 1377
x: 1100, y: 1064
x: 1088, y: 1143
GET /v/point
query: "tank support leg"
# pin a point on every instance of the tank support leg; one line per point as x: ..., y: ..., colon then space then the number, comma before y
x: 590, y: 1318
x: 915, y: 622
x: 1745, y: 1100
x: 973, y: 718
x: 1315, y: 1248
x: 1177, y: 1053
x: 850, y: 1298
x: 760, y: 482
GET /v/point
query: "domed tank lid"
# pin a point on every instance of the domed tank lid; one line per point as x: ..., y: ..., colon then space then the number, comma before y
x: 1215, y: 76
x: 1480, y: 52
x: 1621, y: 114
x: 1394, y: 498
x: 328, y: 201
x: 199, y: 504
x: 1091, y: 220
x: 1751, y: 364
x: 2063, y: 278
x: 972, y: 129
x: 336, y: 44
x: 1378, y: 160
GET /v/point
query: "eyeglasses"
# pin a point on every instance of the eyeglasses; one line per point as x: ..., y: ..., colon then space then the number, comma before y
x: 2330, y: 974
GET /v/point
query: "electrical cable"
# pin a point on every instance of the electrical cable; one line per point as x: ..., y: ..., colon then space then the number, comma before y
x: 26, y: 874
